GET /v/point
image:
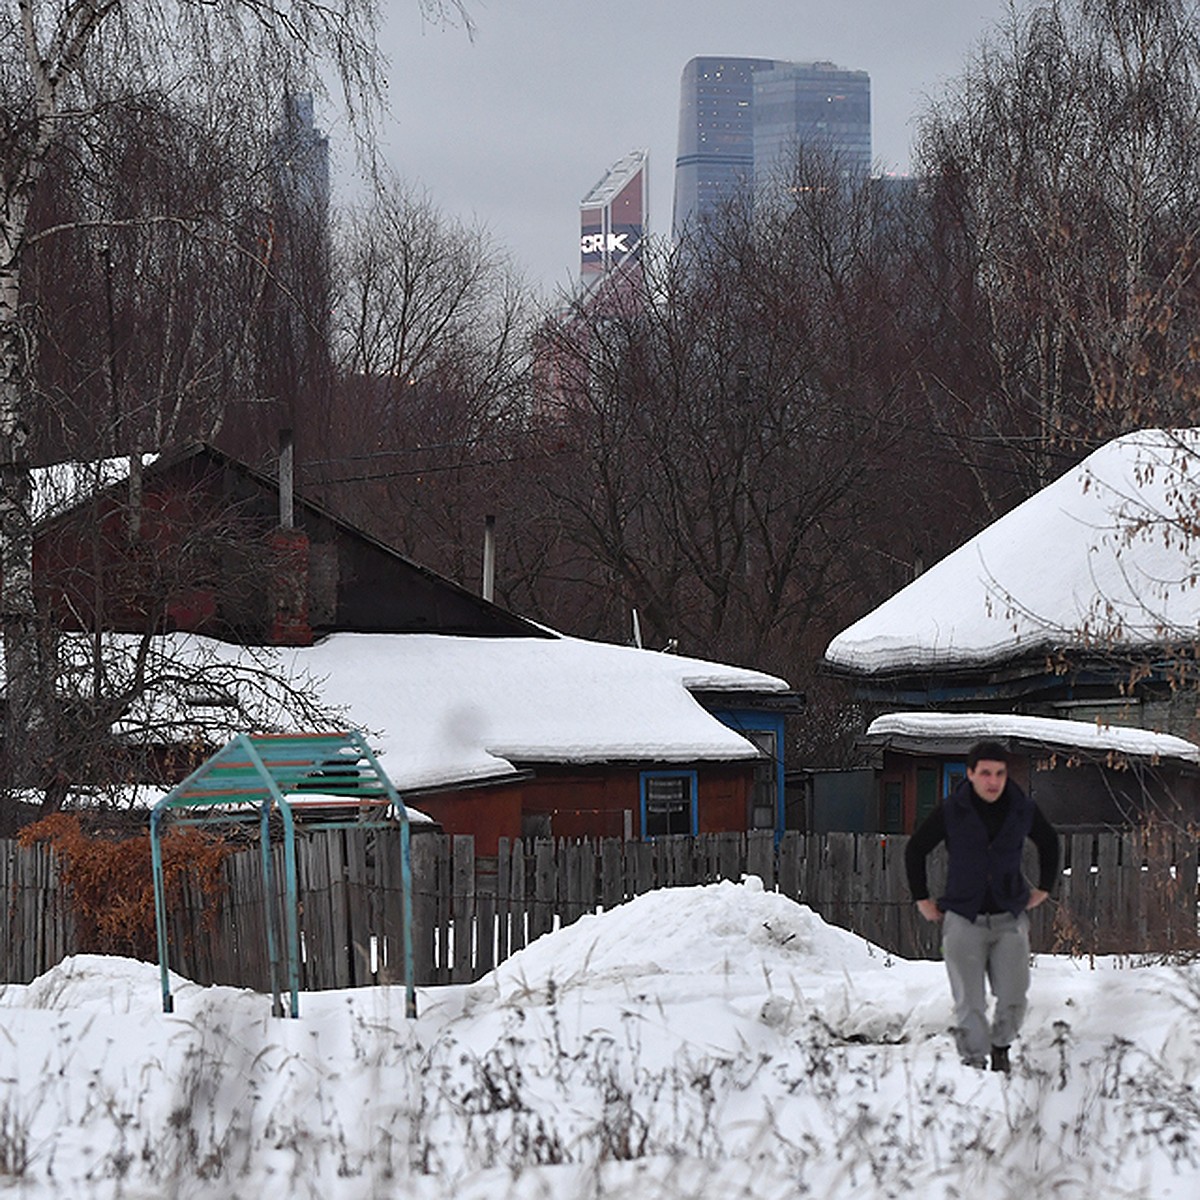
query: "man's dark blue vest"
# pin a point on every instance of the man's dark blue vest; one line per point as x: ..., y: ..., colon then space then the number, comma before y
x: 978, y: 866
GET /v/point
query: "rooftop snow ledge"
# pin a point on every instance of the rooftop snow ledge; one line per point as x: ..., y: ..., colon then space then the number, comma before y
x: 1047, y: 731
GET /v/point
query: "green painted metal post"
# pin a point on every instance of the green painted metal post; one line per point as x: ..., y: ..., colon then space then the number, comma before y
x: 292, y: 899
x: 410, y: 990
x: 264, y: 838
x: 291, y: 919
x: 160, y: 911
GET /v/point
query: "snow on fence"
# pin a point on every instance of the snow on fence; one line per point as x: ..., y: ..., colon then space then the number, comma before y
x: 1120, y: 893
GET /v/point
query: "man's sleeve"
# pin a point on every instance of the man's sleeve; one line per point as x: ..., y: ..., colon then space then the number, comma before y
x: 930, y: 833
x: 1043, y: 836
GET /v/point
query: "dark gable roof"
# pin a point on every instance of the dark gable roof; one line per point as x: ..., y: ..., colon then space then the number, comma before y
x: 501, y: 621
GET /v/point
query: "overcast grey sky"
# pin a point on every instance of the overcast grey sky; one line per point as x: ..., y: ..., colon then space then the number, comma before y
x: 510, y: 129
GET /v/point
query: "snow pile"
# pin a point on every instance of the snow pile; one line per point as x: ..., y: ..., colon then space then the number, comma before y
x: 1097, y: 557
x: 702, y: 1042
x: 710, y: 931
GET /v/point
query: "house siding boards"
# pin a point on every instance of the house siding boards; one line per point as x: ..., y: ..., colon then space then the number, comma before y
x: 1073, y: 794
x: 587, y: 802
x: 1063, y: 686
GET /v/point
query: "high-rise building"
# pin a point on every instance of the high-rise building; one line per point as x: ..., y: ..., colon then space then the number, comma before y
x: 613, y: 218
x: 716, y: 135
x: 297, y: 298
x: 302, y: 158
x: 740, y: 117
x: 814, y: 104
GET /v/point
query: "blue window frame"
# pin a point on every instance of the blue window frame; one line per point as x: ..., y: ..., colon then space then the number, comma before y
x: 765, y: 730
x: 952, y: 775
x: 669, y: 803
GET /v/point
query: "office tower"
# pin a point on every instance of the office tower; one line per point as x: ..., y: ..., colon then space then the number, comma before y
x: 813, y: 104
x: 716, y: 135
x: 739, y: 119
x: 297, y: 300
x: 302, y: 159
x: 612, y: 219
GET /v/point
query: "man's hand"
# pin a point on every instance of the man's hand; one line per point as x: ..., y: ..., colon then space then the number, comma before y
x: 930, y: 911
x: 1036, y: 897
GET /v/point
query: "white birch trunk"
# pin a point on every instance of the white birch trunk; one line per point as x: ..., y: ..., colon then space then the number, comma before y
x: 18, y: 616
x: 26, y: 684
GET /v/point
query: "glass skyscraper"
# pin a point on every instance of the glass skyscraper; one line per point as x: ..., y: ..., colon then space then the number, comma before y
x: 815, y: 104
x: 741, y: 118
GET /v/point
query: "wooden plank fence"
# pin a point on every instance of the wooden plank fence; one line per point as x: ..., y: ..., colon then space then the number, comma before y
x: 1123, y: 892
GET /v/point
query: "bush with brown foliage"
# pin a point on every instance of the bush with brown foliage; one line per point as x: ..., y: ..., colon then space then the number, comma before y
x: 111, y: 883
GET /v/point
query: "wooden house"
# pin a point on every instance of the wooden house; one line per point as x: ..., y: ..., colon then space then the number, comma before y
x: 1082, y: 775
x: 1073, y: 622
x: 210, y: 545
x: 492, y: 724
x: 1081, y: 604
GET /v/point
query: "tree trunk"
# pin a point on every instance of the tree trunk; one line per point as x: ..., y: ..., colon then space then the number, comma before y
x: 18, y: 614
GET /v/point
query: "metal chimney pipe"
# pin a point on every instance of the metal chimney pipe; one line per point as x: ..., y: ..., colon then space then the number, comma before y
x: 287, y: 479
x: 489, y: 556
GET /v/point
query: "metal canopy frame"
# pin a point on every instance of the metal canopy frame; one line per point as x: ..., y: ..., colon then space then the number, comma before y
x: 336, y: 775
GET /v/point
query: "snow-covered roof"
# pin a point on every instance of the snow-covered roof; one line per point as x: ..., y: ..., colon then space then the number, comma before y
x: 1099, y: 557
x: 1043, y: 731
x: 447, y: 709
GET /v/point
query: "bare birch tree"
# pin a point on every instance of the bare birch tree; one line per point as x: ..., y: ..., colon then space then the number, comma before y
x: 1064, y: 173
x: 63, y: 67
x: 430, y: 336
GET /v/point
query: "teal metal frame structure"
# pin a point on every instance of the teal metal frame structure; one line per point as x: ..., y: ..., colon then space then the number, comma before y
x: 252, y: 778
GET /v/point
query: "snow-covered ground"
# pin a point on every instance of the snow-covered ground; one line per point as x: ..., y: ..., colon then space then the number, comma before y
x: 718, y: 1041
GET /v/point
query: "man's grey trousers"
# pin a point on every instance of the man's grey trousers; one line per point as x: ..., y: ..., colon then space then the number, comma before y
x: 995, y: 947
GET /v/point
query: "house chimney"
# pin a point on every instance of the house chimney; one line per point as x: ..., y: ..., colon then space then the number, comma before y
x: 288, y: 583
x: 489, y: 557
x: 287, y: 478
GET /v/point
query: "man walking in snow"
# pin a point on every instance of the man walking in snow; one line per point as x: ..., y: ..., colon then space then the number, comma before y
x: 985, y: 910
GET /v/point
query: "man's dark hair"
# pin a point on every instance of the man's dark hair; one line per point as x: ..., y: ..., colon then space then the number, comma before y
x: 991, y: 751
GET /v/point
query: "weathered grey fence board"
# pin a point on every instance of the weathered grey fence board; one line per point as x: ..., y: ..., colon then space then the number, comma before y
x: 424, y: 873
x: 760, y: 857
x: 519, y: 903
x: 391, y: 943
x: 504, y: 911
x: 612, y: 875
x: 443, y: 884
x: 463, y: 909
x: 361, y: 889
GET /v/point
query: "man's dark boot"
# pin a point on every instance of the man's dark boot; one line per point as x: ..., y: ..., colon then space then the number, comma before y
x: 1000, y: 1059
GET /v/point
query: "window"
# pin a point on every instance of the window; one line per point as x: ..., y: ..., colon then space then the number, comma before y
x: 927, y: 793
x: 764, y: 802
x: 952, y: 775
x: 891, y: 818
x: 668, y: 803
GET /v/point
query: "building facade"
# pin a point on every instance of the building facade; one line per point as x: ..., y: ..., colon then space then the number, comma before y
x: 739, y: 118
x: 613, y: 219
x: 813, y: 104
